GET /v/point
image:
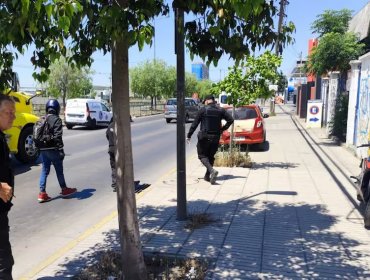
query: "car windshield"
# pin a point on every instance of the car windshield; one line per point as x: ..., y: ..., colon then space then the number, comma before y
x: 243, y: 113
x: 172, y: 102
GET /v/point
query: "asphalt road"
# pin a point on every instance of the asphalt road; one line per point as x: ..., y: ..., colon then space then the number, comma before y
x: 39, y: 230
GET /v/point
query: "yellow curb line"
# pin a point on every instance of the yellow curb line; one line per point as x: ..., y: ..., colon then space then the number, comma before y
x: 68, y: 247
x: 73, y: 243
x: 85, y: 235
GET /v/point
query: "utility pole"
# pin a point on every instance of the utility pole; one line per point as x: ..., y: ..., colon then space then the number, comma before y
x: 283, y: 3
x: 277, y: 43
x: 155, y: 64
x: 180, y: 69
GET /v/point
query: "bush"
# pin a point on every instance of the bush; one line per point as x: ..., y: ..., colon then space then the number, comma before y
x: 234, y: 156
x: 338, y: 125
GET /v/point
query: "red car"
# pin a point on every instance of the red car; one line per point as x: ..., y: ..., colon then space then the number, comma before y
x: 249, y: 126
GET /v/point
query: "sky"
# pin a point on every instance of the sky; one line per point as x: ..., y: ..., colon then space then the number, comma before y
x: 301, y: 12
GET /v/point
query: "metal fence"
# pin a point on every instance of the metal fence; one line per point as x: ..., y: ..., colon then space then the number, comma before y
x: 138, y: 108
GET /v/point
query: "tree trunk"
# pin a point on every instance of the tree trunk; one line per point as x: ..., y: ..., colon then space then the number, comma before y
x: 133, y: 266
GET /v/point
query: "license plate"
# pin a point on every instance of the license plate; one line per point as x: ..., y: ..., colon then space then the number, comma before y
x: 239, y: 138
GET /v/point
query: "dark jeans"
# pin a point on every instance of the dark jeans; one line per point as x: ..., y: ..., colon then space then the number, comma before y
x: 51, y: 157
x: 207, y: 148
x: 112, y: 161
x: 6, y: 257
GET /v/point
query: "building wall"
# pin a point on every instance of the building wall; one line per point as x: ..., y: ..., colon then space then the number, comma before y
x: 200, y: 71
x: 363, y: 108
x: 353, y: 84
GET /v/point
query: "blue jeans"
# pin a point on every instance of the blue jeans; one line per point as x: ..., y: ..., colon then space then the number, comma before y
x: 51, y: 157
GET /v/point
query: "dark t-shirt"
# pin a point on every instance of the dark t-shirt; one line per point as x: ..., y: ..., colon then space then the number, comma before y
x: 6, y: 173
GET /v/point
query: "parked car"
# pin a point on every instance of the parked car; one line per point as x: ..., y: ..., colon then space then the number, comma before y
x: 170, y: 109
x: 249, y: 126
x: 86, y: 112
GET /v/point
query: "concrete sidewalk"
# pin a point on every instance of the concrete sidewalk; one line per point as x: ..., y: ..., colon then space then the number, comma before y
x: 293, y: 215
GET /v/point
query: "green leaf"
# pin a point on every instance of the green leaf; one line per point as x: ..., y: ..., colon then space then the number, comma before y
x: 25, y: 7
x: 214, y: 30
x: 38, y: 5
x: 49, y: 10
x: 64, y: 23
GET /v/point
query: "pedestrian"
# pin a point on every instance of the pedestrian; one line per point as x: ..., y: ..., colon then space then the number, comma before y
x: 210, y: 118
x: 110, y: 137
x: 111, y: 151
x: 7, y: 116
x: 52, y: 152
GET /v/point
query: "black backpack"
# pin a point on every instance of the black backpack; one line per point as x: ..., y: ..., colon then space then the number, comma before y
x: 41, y: 132
x: 212, y: 121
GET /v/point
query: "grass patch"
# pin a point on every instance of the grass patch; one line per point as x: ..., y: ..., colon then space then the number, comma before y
x: 234, y: 156
x: 158, y: 268
x: 199, y: 220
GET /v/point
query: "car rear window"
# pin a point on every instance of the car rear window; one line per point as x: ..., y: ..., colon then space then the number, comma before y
x: 73, y: 104
x: 243, y: 113
x: 172, y: 102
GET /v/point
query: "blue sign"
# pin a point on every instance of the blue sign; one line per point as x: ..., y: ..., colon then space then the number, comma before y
x: 314, y: 110
x: 290, y: 88
x: 314, y: 119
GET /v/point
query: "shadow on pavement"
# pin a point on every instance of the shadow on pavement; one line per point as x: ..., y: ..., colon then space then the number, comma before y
x: 226, y: 177
x: 20, y: 167
x: 251, y: 238
x: 83, y: 194
x: 279, y: 165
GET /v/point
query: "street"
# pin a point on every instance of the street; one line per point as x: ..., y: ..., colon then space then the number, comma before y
x: 38, y: 230
x: 293, y: 215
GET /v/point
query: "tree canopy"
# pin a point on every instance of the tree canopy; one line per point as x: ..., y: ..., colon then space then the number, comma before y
x: 250, y: 80
x: 68, y: 82
x: 233, y: 28
x: 334, y: 52
x: 332, y: 21
x: 336, y: 47
x: 157, y: 79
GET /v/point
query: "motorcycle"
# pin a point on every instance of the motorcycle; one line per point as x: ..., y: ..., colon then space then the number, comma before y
x: 362, y: 183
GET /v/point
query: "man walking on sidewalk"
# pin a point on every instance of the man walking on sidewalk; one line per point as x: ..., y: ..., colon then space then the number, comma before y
x: 52, y: 152
x: 209, y: 117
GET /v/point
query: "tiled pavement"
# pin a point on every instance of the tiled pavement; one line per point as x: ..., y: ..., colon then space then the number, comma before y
x: 293, y: 215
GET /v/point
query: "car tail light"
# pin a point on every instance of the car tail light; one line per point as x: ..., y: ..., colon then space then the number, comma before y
x: 87, y: 110
x: 258, y: 124
x: 367, y: 163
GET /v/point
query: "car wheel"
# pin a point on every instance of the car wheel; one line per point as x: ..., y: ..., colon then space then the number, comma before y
x: 69, y: 126
x: 27, y: 151
x: 93, y: 124
x: 168, y: 120
x: 367, y: 215
x: 262, y: 146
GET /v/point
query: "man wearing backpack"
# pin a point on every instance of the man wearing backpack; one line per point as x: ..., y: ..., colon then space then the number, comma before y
x: 210, y: 118
x: 52, y: 152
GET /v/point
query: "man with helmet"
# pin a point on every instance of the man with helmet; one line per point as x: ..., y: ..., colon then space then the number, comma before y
x: 52, y: 152
x: 209, y: 117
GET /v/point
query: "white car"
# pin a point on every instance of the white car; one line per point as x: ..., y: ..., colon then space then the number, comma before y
x: 86, y: 112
